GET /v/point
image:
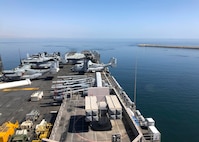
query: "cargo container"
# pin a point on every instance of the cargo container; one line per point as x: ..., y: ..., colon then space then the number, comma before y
x: 154, y: 133
x: 117, y: 105
x: 88, y: 106
x: 150, y: 122
x: 94, y: 105
x: 111, y: 107
x: 91, y: 108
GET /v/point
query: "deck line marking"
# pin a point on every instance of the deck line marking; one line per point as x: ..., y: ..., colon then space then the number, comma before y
x: 118, y: 127
x: 19, y: 89
x: 95, y: 136
x: 73, y: 130
x: 106, y: 136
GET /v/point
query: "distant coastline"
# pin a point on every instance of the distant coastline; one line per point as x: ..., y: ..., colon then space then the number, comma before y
x: 168, y: 46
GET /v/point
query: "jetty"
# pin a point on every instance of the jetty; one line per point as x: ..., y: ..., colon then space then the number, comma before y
x: 169, y: 46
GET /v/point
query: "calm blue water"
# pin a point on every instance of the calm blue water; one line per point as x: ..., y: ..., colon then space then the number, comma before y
x: 167, y: 79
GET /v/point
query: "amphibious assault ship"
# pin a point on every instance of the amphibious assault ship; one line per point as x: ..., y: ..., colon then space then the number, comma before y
x: 83, y: 105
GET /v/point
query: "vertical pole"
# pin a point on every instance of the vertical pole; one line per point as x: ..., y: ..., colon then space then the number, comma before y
x: 135, y: 83
x: 1, y: 65
x: 20, y: 57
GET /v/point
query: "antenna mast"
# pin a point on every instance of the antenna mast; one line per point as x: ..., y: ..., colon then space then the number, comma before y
x: 1, y: 65
x: 20, y: 56
x: 135, y: 83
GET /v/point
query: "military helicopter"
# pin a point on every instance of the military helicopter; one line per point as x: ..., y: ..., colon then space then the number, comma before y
x: 86, y: 65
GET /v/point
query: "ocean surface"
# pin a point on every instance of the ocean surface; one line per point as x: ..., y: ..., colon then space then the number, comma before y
x: 167, y: 78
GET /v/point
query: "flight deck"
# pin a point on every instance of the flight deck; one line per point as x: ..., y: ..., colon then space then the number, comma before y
x: 63, y: 105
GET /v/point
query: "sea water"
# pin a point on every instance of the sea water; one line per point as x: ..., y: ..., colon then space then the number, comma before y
x: 167, y: 78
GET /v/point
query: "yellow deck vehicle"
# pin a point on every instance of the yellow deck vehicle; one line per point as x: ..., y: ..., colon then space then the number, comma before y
x: 42, y: 130
x: 7, y: 130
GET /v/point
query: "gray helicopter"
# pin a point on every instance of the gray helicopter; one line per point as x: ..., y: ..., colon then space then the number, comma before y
x: 86, y: 65
x: 26, y: 72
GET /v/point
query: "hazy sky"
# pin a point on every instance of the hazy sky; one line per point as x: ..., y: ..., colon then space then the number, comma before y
x: 99, y: 18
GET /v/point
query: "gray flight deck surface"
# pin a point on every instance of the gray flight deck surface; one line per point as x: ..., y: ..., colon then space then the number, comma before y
x: 15, y: 104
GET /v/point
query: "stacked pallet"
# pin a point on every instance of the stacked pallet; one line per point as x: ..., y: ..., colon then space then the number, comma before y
x: 114, y: 107
x: 91, y: 108
x: 111, y: 107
